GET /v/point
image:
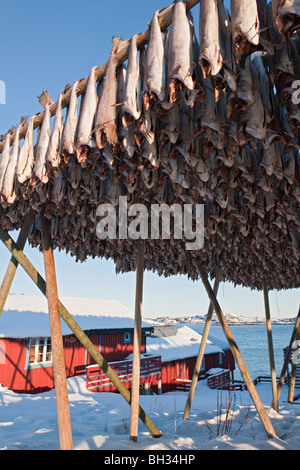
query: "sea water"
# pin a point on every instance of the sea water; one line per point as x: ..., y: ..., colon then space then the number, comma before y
x: 252, y: 342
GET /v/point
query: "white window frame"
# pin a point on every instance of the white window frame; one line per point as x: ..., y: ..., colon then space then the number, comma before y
x: 44, y: 362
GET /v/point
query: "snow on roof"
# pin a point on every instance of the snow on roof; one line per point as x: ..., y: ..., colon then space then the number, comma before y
x: 185, y: 343
x: 27, y: 315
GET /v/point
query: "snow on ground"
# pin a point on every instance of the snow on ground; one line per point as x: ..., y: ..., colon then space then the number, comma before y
x: 101, y: 421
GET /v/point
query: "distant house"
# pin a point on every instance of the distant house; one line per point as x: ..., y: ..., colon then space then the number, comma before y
x: 25, y: 343
x: 168, y: 355
x: 178, y: 348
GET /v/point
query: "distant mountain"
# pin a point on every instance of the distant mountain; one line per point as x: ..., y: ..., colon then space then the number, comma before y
x: 231, y: 318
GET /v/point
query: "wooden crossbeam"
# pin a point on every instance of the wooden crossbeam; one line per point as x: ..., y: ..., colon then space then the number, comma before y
x: 201, y: 349
x: 73, y: 325
x: 165, y: 20
x: 237, y: 355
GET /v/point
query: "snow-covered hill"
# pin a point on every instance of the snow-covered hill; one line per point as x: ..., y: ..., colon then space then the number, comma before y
x: 231, y: 318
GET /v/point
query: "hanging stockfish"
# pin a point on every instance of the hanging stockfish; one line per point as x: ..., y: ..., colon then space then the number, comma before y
x: 105, y: 119
x: 228, y: 71
x: 86, y: 119
x: 245, y: 25
x: 53, y: 152
x: 8, y: 185
x: 286, y: 16
x: 265, y: 38
x: 26, y: 156
x: 210, y: 57
x: 243, y: 95
x: 40, y: 170
x: 155, y: 73
x: 181, y: 55
x: 126, y: 136
x: 70, y: 126
x: 5, y: 155
x: 133, y: 100
x: 252, y: 120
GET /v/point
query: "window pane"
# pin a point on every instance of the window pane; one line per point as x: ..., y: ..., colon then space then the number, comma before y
x: 48, y: 351
x: 32, y: 351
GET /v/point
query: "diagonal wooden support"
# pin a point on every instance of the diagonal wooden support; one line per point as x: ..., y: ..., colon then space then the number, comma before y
x: 296, y: 331
x: 73, y: 325
x: 270, y: 346
x: 59, y: 367
x: 13, y: 263
x: 237, y: 355
x: 292, y: 383
x: 136, y: 362
x: 201, y: 349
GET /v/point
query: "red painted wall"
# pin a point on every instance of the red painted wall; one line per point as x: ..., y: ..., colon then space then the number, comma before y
x: 14, y: 376
x: 184, y: 368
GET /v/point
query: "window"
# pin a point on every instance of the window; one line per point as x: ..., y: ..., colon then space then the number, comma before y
x: 39, y: 351
x: 127, y: 337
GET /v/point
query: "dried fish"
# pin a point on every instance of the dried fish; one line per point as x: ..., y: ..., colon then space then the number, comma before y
x: 105, y: 120
x: 132, y: 105
x: 53, y: 152
x: 245, y: 24
x: 86, y: 119
x: 210, y: 58
x: 40, y: 170
x: 226, y: 46
x: 26, y: 156
x: 5, y: 155
x: 8, y: 185
x: 69, y: 130
x: 287, y: 16
x: 181, y: 54
x: 155, y: 74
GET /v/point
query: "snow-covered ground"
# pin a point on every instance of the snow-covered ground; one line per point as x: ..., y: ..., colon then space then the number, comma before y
x: 102, y: 421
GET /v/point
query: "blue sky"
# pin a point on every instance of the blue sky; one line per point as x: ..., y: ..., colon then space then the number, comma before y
x: 47, y: 45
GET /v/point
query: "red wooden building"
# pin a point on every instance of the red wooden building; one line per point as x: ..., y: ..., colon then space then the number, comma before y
x: 178, y: 348
x: 168, y: 355
x: 25, y: 344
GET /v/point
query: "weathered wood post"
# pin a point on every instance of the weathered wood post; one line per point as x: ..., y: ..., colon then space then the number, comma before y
x: 237, y: 355
x: 135, y: 390
x: 296, y: 331
x: 270, y: 346
x: 201, y: 349
x: 75, y: 328
x: 292, y: 383
x: 13, y: 263
x: 59, y: 369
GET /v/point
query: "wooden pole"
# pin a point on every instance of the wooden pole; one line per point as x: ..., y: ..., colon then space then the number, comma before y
x: 237, y: 355
x: 296, y: 330
x: 165, y: 20
x: 270, y: 346
x: 73, y: 325
x: 201, y: 349
x: 13, y: 263
x: 59, y: 368
x: 292, y: 383
x: 135, y: 390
